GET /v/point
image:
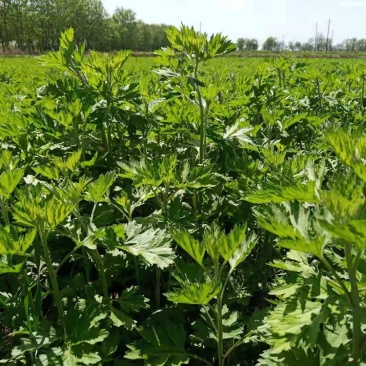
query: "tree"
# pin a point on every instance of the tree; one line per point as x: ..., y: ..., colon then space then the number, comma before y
x: 240, y: 44
x: 308, y: 46
x: 351, y: 45
x: 125, y: 23
x: 251, y: 44
x: 247, y: 44
x: 270, y: 44
x: 361, y: 45
x: 321, y: 42
x: 35, y: 25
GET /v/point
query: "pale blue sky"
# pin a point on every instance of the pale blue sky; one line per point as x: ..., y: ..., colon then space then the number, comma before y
x: 259, y: 19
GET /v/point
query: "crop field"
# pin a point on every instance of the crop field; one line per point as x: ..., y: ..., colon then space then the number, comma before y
x: 186, y: 209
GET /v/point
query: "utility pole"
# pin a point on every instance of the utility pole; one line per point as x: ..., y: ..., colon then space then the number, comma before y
x: 316, y: 36
x: 200, y: 27
x: 327, y: 44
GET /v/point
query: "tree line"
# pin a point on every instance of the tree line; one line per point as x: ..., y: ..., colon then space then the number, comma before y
x: 319, y: 43
x: 35, y: 26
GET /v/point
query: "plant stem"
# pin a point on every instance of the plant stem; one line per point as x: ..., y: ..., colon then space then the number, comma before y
x: 232, y: 348
x: 157, y: 287
x: 100, y: 266
x: 66, y: 258
x: 93, y: 213
x: 52, y: 275
x: 336, y: 276
x: 355, y: 305
x: 5, y: 211
x: 200, y: 359
x: 210, y: 319
x: 220, y: 342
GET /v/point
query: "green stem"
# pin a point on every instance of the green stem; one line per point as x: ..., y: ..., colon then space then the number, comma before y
x: 66, y: 258
x: 100, y: 266
x: 355, y: 305
x: 137, y: 272
x: 336, y: 276
x: 202, y: 126
x: 362, y: 91
x: 5, y: 211
x: 52, y: 275
x: 92, y: 214
x: 157, y: 287
x: 233, y: 347
x: 127, y: 217
x: 210, y: 319
x: 191, y: 355
x: 220, y: 331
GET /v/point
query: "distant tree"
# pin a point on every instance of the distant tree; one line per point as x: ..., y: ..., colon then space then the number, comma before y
x: 124, y: 23
x: 308, y: 46
x: 321, y: 42
x: 35, y: 25
x: 240, y: 43
x: 251, y: 44
x: 351, y: 44
x: 297, y: 46
x: 361, y: 45
x: 270, y: 44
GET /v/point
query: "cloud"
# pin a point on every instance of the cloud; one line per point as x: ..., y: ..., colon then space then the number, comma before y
x: 236, y: 5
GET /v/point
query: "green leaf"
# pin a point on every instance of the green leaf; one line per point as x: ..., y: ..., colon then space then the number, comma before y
x: 211, y: 242
x: 271, y: 192
x: 193, y: 247
x: 294, y: 225
x: 153, y: 245
x: 196, y: 293
x: 9, y: 180
x: 163, y: 340
x: 71, y: 163
x: 57, y: 212
x: 245, y: 248
x: 67, y: 357
x: 131, y: 301
x: 287, y: 321
x: 51, y: 172
x: 119, y: 319
x: 13, y: 244
x: 230, y: 243
x: 97, y: 190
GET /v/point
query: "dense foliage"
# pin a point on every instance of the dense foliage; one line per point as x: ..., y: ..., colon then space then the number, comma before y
x: 35, y: 25
x: 197, y: 214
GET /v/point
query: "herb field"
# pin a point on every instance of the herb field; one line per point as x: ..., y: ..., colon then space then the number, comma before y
x: 182, y: 210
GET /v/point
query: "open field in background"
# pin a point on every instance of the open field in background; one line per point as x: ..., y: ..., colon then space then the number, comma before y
x: 210, y: 213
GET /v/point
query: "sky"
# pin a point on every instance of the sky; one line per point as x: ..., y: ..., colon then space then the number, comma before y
x: 293, y: 20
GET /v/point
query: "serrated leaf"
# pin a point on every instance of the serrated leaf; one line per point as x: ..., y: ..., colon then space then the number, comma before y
x: 9, y: 180
x: 121, y: 319
x: 242, y: 252
x: 163, y: 340
x: 153, y: 245
x: 294, y: 225
x: 196, y: 293
x: 131, y: 301
x: 13, y: 244
x: 97, y: 190
x: 229, y: 244
x: 193, y: 247
x: 51, y: 172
